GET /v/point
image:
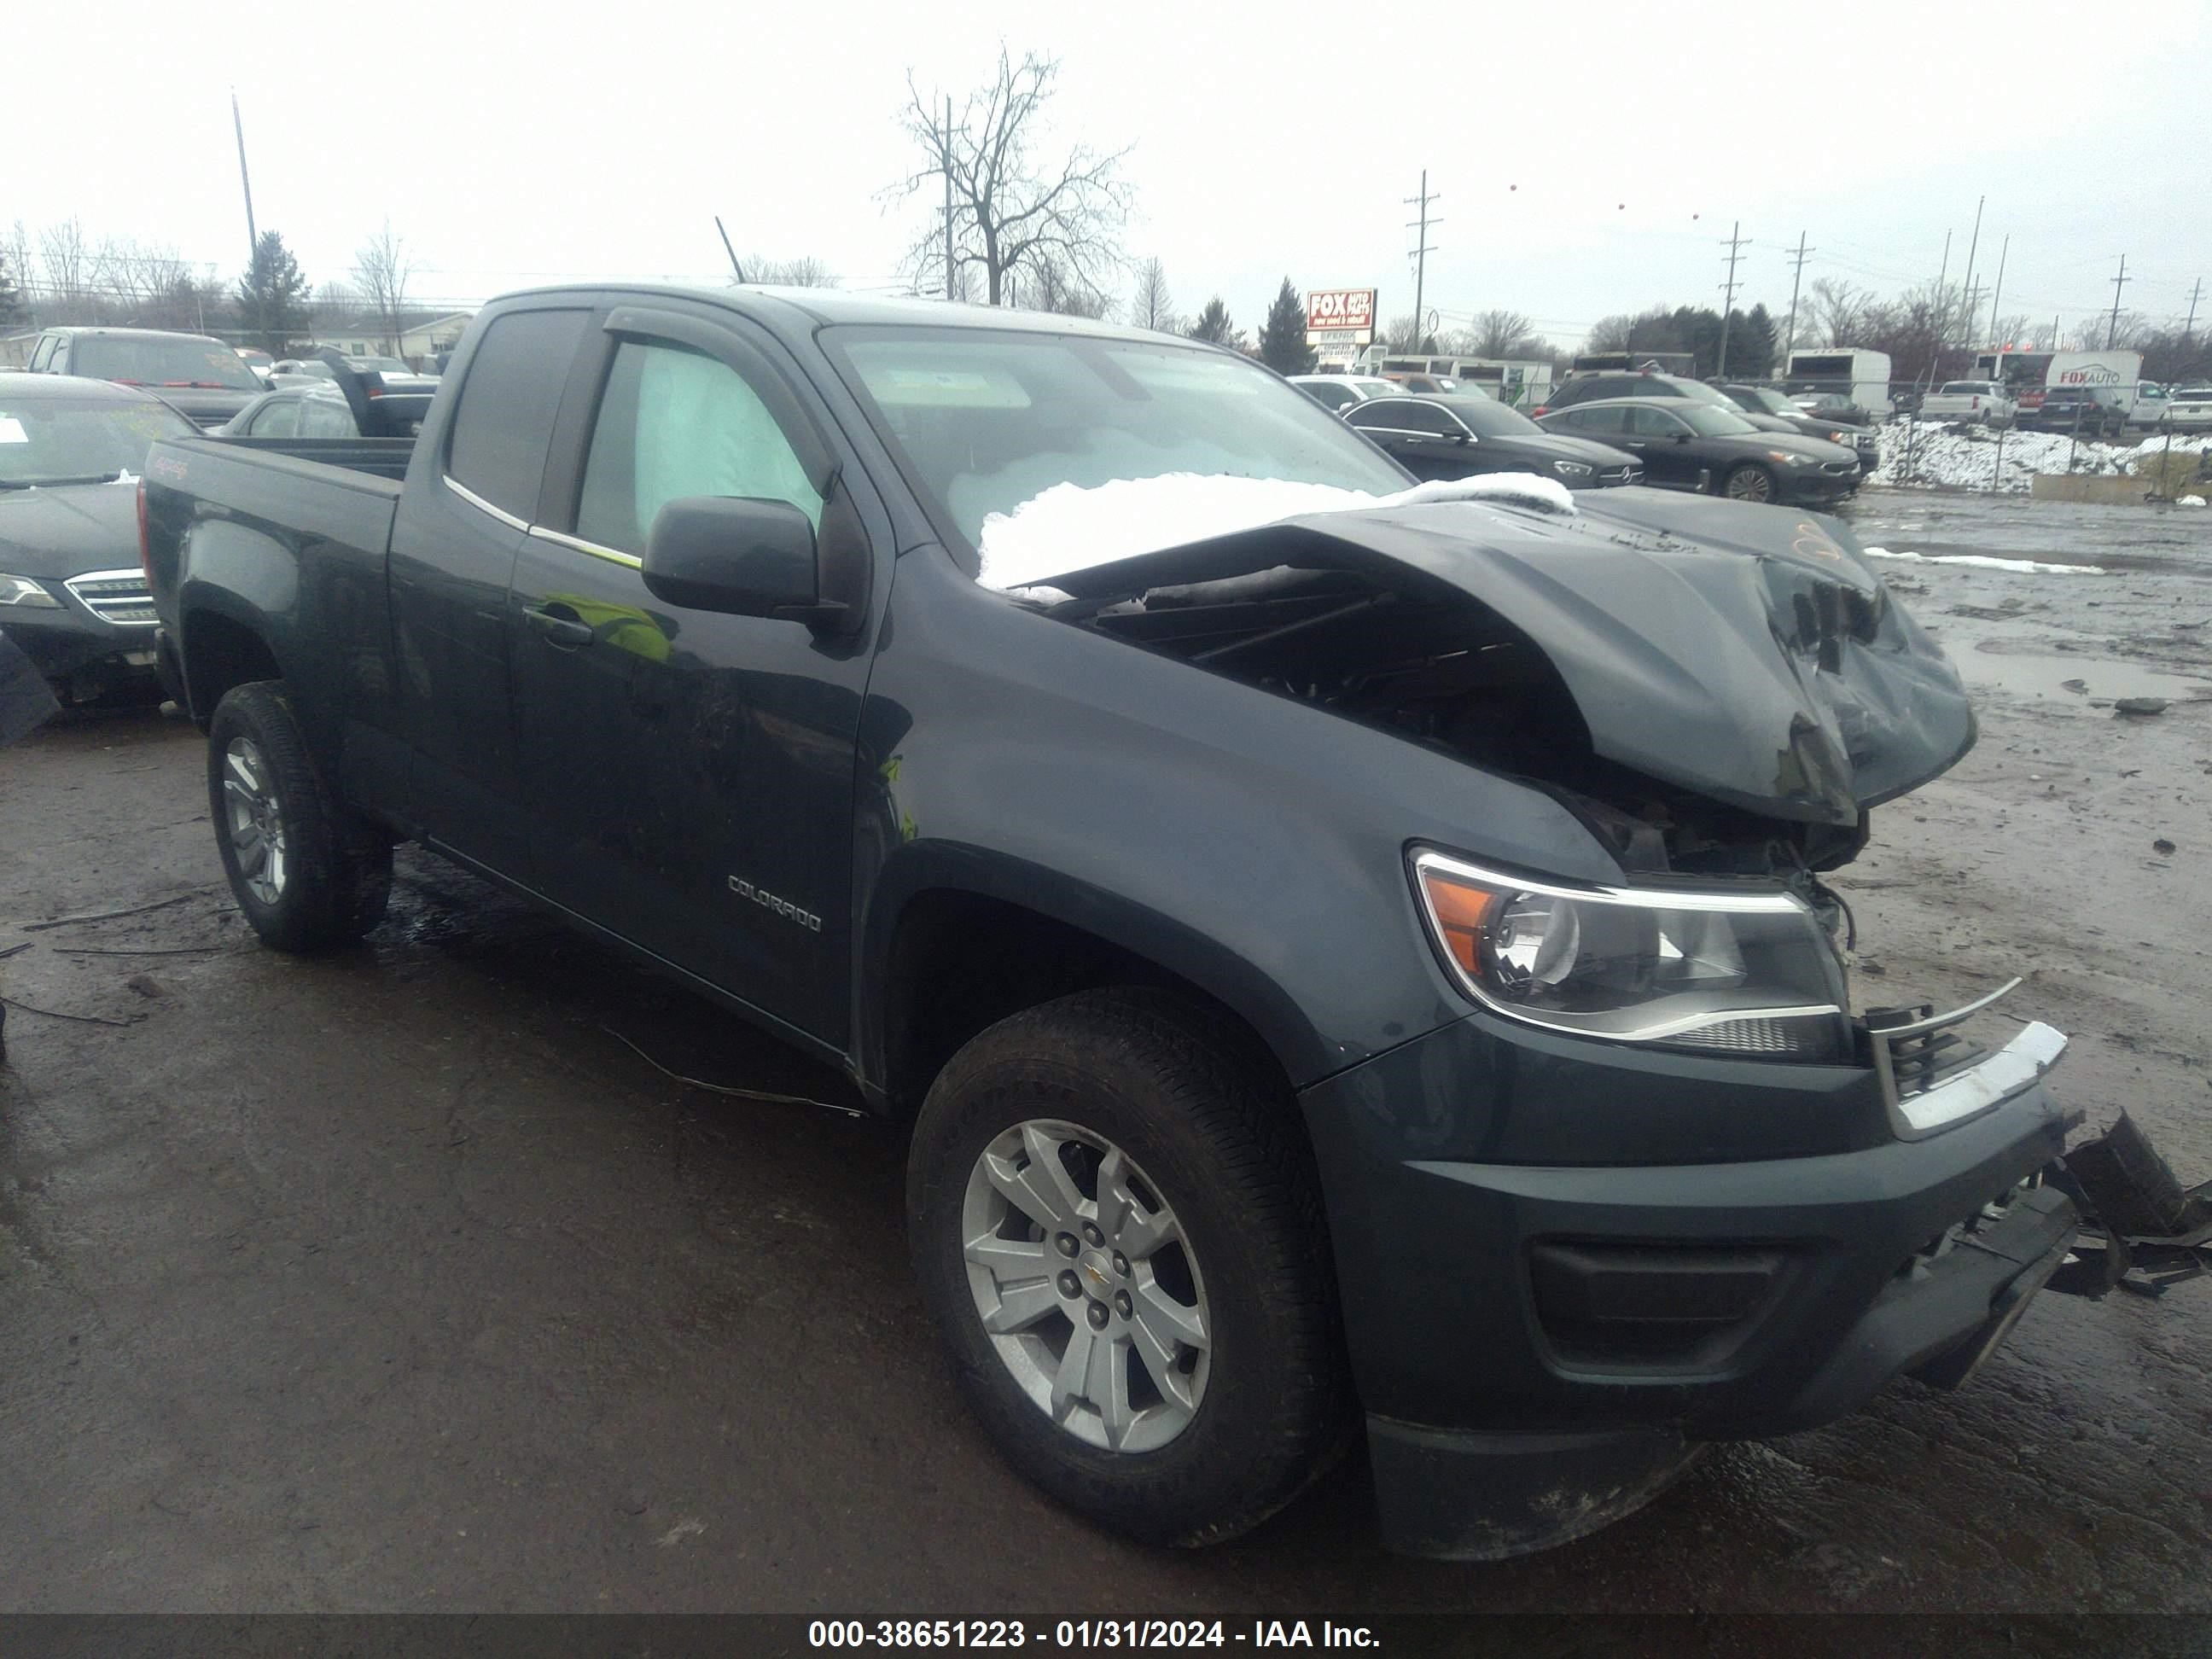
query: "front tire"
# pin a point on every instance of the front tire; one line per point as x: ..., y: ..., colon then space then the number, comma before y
x: 308, y: 873
x: 1750, y: 483
x: 1117, y: 1227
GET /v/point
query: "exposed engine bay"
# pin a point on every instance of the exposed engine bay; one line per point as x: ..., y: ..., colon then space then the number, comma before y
x: 1712, y: 689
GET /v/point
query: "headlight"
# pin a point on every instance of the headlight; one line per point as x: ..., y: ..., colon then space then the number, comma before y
x: 1788, y: 459
x: 1846, y: 438
x: 22, y: 590
x: 1741, y: 973
x: 1570, y: 469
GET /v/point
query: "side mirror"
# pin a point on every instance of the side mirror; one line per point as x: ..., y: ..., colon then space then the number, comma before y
x: 739, y: 555
x: 1682, y: 437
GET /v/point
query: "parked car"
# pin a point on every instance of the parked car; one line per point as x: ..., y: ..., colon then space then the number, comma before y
x: 1369, y: 962
x: 308, y: 408
x: 1831, y: 406
x: 1977, y: 403
x: 72, y: 595
x: 1338, y: 392
x: 1686, y: 445
x: 1904, y: 396
x: 2151, y: 400
x: 1604, y: 388
x: 255, y: 359
x: 2094, y: 411
x: 1432, y: 384
x: 2190, y: 409
x: 1765, y: 400
x: 1455, y: 436
x: 195, y: 374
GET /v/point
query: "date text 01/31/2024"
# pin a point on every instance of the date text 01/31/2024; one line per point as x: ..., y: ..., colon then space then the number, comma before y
x: 1084, y: 1633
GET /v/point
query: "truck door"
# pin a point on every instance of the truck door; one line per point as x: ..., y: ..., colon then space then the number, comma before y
x: 689, y: 774
x: 454, y: 544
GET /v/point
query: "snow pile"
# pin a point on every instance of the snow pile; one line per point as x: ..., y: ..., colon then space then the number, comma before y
x: 1985, y: 562
x: 2190, y: 501
x: 1967, y: 457
x: 1074, y: 527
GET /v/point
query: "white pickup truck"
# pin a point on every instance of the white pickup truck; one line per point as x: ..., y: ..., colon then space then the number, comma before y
x: 1976, y: 402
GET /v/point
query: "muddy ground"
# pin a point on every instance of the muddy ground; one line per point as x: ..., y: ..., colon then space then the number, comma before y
x: 397, y: 1280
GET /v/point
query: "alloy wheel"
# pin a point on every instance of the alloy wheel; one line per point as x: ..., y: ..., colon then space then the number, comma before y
x: 1087, y: 1285
x: 255, y: 820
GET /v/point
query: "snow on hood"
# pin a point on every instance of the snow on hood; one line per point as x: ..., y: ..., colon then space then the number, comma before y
x: 1077, y: 527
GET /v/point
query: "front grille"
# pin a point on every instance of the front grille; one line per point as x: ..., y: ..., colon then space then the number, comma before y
x: 1839, y: 468
x: 1619, y: 475
x: 115, y: 596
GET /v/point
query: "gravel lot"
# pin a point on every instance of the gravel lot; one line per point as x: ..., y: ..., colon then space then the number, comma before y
x: 397, y: 1280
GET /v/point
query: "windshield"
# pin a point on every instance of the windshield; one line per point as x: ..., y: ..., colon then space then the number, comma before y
x: 1709, y: 422
x: 1488, y: 419
x: 985, y: 421
x: 1965, y: 389
x: 1766, y: 403
x: 161, y: 361
x: 70, y: 440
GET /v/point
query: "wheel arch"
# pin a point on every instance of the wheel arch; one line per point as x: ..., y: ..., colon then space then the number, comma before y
x: 945, y: 956
x: 223, y: 642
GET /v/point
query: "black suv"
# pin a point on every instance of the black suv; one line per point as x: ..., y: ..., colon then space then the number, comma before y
x: 196, y: 374
x: 2093, y: 410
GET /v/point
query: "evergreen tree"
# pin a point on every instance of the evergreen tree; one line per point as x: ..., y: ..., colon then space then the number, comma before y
x: 1752, y: 345
x: 1283, y: 346
x: 10, y: 300
x: 1214, y: 327
x: 272, y: 295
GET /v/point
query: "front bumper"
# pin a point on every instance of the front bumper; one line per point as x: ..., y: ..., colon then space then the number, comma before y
x: 1626, y: 1253
x: 81, y: 655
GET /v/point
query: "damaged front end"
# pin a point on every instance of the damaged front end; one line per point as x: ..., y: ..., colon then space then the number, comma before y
x: 1714, y: 690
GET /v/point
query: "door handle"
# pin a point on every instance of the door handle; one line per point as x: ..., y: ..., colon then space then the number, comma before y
x: 569, y: 632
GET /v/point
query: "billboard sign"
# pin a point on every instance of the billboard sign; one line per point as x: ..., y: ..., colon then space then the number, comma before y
x: 1340, y: 316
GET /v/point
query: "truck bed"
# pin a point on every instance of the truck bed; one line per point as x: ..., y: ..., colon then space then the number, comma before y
x: 378, y: 457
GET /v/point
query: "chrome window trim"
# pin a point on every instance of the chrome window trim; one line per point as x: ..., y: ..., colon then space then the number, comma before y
x: 482, y: 505
x: 613, y: 556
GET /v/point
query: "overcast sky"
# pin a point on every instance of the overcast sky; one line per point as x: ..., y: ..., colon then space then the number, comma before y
x: 1589, y: 159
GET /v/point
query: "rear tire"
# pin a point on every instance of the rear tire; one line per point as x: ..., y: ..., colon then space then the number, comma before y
x: 1750, y: 483
x: 1176, y: 1127
x: 308, y: 873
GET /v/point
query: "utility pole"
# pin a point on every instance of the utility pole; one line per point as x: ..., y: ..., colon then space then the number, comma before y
x: 1735, y: 245
x: 1967, y: 285
x: 238, y: 125
x: 1421, y: 251
x: 948, y: 197
x: 2189, y: 328
x: 1797, y: 273
x: 2112, y: 332
x: 1997, y: 293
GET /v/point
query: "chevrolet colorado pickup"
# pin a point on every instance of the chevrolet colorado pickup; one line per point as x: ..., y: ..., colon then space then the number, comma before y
x: 1343, y: 959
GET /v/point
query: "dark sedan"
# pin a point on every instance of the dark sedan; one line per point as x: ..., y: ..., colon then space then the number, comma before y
x: 72, y: 595
x: 1451, y: 437
x: 1765, y: 400
x: 1693, y: 445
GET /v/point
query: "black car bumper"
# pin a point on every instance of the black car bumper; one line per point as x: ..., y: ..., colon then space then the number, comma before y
x: 83, y: 656
x: 1803, y: 486
x: 1541, y: 1341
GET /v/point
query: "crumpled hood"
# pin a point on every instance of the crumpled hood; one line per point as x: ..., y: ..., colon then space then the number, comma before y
x: 64, y: 530
x: 1748, y: 653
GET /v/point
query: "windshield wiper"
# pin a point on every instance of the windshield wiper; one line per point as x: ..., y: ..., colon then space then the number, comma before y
x: 45, y: 483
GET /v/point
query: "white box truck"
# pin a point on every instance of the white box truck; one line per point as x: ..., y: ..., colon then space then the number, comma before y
x: 1861, y: 376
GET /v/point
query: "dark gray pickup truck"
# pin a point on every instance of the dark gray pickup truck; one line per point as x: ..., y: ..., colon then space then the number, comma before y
x: 1360, y: 957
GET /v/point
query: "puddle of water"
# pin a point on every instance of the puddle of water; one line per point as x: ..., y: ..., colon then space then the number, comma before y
x: 2032, y: 675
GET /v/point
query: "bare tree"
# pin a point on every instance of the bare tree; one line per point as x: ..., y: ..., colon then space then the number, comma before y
x: 1153, y: 307
x: 805, y: 272
x: 15, y: 249
x: 66, y: 261
x: 381, y: 268
x: 1046, y: 285
x: 1011, y: 210
x: 1837, y: 310
x: 1503, y: 334
x: 1611, y: 333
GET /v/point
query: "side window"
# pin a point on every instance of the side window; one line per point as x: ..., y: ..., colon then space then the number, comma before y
x: 505, y: 422
x: 1601, y: 420
x: 278, y: 420
x: 327, y: 418
x: 1653, y: 423
x: 40, y: 353
x: 59, y: 363
x: 674, y: 422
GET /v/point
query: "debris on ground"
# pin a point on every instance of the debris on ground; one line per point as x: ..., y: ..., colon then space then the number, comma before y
x: 2140, y: 706
x: 2161, y: 845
